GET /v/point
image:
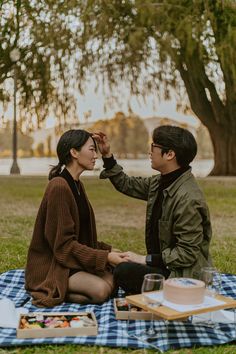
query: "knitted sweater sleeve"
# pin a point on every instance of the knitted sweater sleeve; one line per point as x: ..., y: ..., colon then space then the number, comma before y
x: 60, y: 232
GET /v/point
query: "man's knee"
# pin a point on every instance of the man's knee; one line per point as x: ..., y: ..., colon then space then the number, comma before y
x: 121, y: 271
x: 129, y: 276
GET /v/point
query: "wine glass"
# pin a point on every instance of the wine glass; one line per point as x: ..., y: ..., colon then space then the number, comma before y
x: 152, y: 282
x: 212, y: 280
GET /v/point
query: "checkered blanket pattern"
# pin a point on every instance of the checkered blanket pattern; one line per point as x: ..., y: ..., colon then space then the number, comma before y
x: 112, y: 332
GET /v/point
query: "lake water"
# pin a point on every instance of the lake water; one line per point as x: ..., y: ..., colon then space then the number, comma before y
x: 38, y: 166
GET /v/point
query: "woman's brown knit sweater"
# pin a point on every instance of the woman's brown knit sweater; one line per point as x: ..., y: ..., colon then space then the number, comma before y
x: 55, y: 247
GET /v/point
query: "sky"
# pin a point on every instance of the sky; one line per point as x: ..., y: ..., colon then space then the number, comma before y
x: 163, y: 109
x: 94, y: 103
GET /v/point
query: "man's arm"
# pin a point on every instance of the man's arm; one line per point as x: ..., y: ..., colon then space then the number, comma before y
x: 136, y: 187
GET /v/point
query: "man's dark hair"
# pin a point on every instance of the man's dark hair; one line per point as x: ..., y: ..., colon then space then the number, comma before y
x: 180, y: 140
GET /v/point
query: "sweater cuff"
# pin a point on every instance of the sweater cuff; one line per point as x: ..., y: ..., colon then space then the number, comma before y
x: 108, y: 162
x: 101, y: 261
x: 104, y: 246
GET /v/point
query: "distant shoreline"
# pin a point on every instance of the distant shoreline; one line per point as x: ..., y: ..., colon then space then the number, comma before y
x: 40, y: 166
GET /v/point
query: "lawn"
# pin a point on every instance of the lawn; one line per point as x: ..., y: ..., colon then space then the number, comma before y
x: 120, y: 222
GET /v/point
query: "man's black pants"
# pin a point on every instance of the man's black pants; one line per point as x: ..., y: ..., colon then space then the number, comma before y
x: 129, y: 275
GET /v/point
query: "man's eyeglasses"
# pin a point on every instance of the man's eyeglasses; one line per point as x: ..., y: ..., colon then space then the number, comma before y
x: 158, y: 146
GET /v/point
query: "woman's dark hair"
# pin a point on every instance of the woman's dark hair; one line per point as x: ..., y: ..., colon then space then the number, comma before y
x: 180, y: 140
x: 74, y: 138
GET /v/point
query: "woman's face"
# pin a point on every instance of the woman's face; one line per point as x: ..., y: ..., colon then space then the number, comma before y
x: 87, y: 155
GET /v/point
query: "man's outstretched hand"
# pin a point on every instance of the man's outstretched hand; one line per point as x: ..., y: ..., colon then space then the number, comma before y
x: 102, y: 143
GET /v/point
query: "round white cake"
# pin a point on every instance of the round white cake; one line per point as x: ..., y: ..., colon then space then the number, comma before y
x: 184, y: 291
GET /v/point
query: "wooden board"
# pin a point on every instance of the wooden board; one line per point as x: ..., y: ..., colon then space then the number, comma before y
x: 170, y: 314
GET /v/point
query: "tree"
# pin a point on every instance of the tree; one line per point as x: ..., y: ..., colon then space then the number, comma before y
x: 46, y: 34
x: 166, y: 45
x: 128, y: 134
x: 137, y: 136
x: 24, y: 141
x: 49, y: 146
x: 119, y: 128
x: 39, y: 151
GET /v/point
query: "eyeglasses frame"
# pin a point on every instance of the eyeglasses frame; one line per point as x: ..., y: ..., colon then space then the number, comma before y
x: 159, y: 146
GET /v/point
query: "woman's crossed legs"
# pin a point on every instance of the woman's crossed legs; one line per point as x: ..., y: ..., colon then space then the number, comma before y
x: 84, y: 288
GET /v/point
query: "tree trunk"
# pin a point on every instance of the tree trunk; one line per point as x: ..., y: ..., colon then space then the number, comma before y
x: 214, y: 114
x: 223, y: 139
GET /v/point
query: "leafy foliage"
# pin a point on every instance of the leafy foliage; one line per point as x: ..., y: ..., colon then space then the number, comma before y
x: 165, y: 46
x: 47, y: 35
x: 159, y: 40
x: 171, y: 44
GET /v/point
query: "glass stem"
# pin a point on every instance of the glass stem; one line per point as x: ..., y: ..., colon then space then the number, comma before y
x: 151, y: 328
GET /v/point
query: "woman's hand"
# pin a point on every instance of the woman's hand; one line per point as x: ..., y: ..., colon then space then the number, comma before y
x: 133, y: 257
x: 115, y: 258
x: 103, y: 144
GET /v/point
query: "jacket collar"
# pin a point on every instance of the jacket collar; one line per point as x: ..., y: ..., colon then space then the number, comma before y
x: 175, y: 185
x: 155, y: 182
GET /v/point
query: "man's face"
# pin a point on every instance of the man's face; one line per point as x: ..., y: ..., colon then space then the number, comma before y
x: 158, y: 162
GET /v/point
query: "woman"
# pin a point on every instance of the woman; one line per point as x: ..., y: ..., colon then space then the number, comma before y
x: 65, y: 261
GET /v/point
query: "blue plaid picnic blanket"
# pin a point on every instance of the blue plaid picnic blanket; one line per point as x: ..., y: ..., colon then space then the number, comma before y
x: 117, y: 333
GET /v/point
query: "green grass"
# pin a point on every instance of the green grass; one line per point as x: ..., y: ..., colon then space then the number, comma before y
x: 120, y: 221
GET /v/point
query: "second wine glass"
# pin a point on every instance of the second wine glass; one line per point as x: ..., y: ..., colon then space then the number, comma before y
x: 212, y: 280
x: 152, y: 282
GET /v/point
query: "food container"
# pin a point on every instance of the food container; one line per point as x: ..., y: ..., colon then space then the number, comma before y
x: 123, y: 311
x: 57, y: 324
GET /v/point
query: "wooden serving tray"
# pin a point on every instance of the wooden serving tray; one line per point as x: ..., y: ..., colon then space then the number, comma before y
x: 167, y: 313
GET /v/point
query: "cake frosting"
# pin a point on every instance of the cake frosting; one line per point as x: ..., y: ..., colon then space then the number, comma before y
x: 184, y: 291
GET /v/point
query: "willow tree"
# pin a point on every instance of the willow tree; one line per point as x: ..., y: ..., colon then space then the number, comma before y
x: 46, y: 36
x: 167, y: 46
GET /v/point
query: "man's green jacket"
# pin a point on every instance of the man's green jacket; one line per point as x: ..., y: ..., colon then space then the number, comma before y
x: 184, y: 227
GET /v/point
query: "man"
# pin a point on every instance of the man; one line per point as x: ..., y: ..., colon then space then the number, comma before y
x: 178, y: 227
